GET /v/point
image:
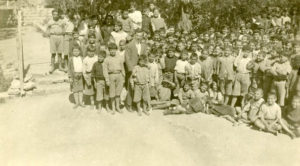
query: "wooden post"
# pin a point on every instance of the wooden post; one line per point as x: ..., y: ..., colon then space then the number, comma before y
x: 20, y: 51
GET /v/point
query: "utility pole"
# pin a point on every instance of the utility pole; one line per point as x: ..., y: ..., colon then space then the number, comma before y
x: 20, y: 47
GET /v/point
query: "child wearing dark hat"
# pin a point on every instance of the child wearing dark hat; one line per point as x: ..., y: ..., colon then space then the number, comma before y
x: 140, y: 80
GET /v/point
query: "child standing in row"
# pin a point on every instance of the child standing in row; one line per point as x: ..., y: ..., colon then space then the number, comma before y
x: 88, y: 63
x: 114, y: 74
x: 75, y: 73
x: 99, y: 81
x: 140, y: 81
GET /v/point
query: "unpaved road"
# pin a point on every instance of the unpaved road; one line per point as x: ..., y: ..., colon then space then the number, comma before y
x: 46, y: 131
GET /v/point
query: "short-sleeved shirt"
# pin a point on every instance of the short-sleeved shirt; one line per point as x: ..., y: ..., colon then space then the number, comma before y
x: 241, y: 65
x: 55, y: 26
x: 136, y: 16
x: 270, y: 112
x: 193, y: 70
x: 78, y: 64
x: 118, y: 36
x: 88, y: 63
x: 180, y: 66
x: 282, y: 68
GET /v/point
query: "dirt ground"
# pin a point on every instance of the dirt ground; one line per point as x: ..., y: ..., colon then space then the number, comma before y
x: 47, y: 131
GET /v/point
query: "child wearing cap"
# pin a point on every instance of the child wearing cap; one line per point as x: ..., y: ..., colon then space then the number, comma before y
x: 140, y: 80
x: 75, y: 73
x: 99, y: 81
x: 88, y: 63
x: 242, y: 78
x: 114, y: 73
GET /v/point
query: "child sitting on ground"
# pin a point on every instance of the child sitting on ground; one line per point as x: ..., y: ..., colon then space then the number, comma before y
x: 269, y: 118
x: 184, y: 96
x: 202, y: 92
x: 250, y: 111
x: 292, y: 117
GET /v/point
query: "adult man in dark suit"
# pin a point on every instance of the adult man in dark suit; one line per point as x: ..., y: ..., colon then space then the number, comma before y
x: 133, y: 51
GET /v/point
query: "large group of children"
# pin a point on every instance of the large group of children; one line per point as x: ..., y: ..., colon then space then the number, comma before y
x: 246, y: 74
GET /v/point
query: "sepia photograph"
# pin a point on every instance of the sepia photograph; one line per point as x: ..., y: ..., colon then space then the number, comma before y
x: 149, y: 82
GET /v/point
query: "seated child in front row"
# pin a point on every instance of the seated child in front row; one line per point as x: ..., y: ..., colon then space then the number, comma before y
x: 76, y: 76
x: 250, y: 111
x: 270, y: 119
x: 292, y: 117
x: 202, y: 92
x: 184, y: 96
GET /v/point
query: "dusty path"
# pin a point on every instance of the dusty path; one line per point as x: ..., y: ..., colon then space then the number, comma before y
x: 42, y: 131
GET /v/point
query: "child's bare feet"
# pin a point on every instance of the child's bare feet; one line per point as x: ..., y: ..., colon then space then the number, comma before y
x: 75, y: 106
x: 92, y: 107
x: 112, y: 112
x: 147, y: 113
x: 119, y: 110
x: 139, y: 112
